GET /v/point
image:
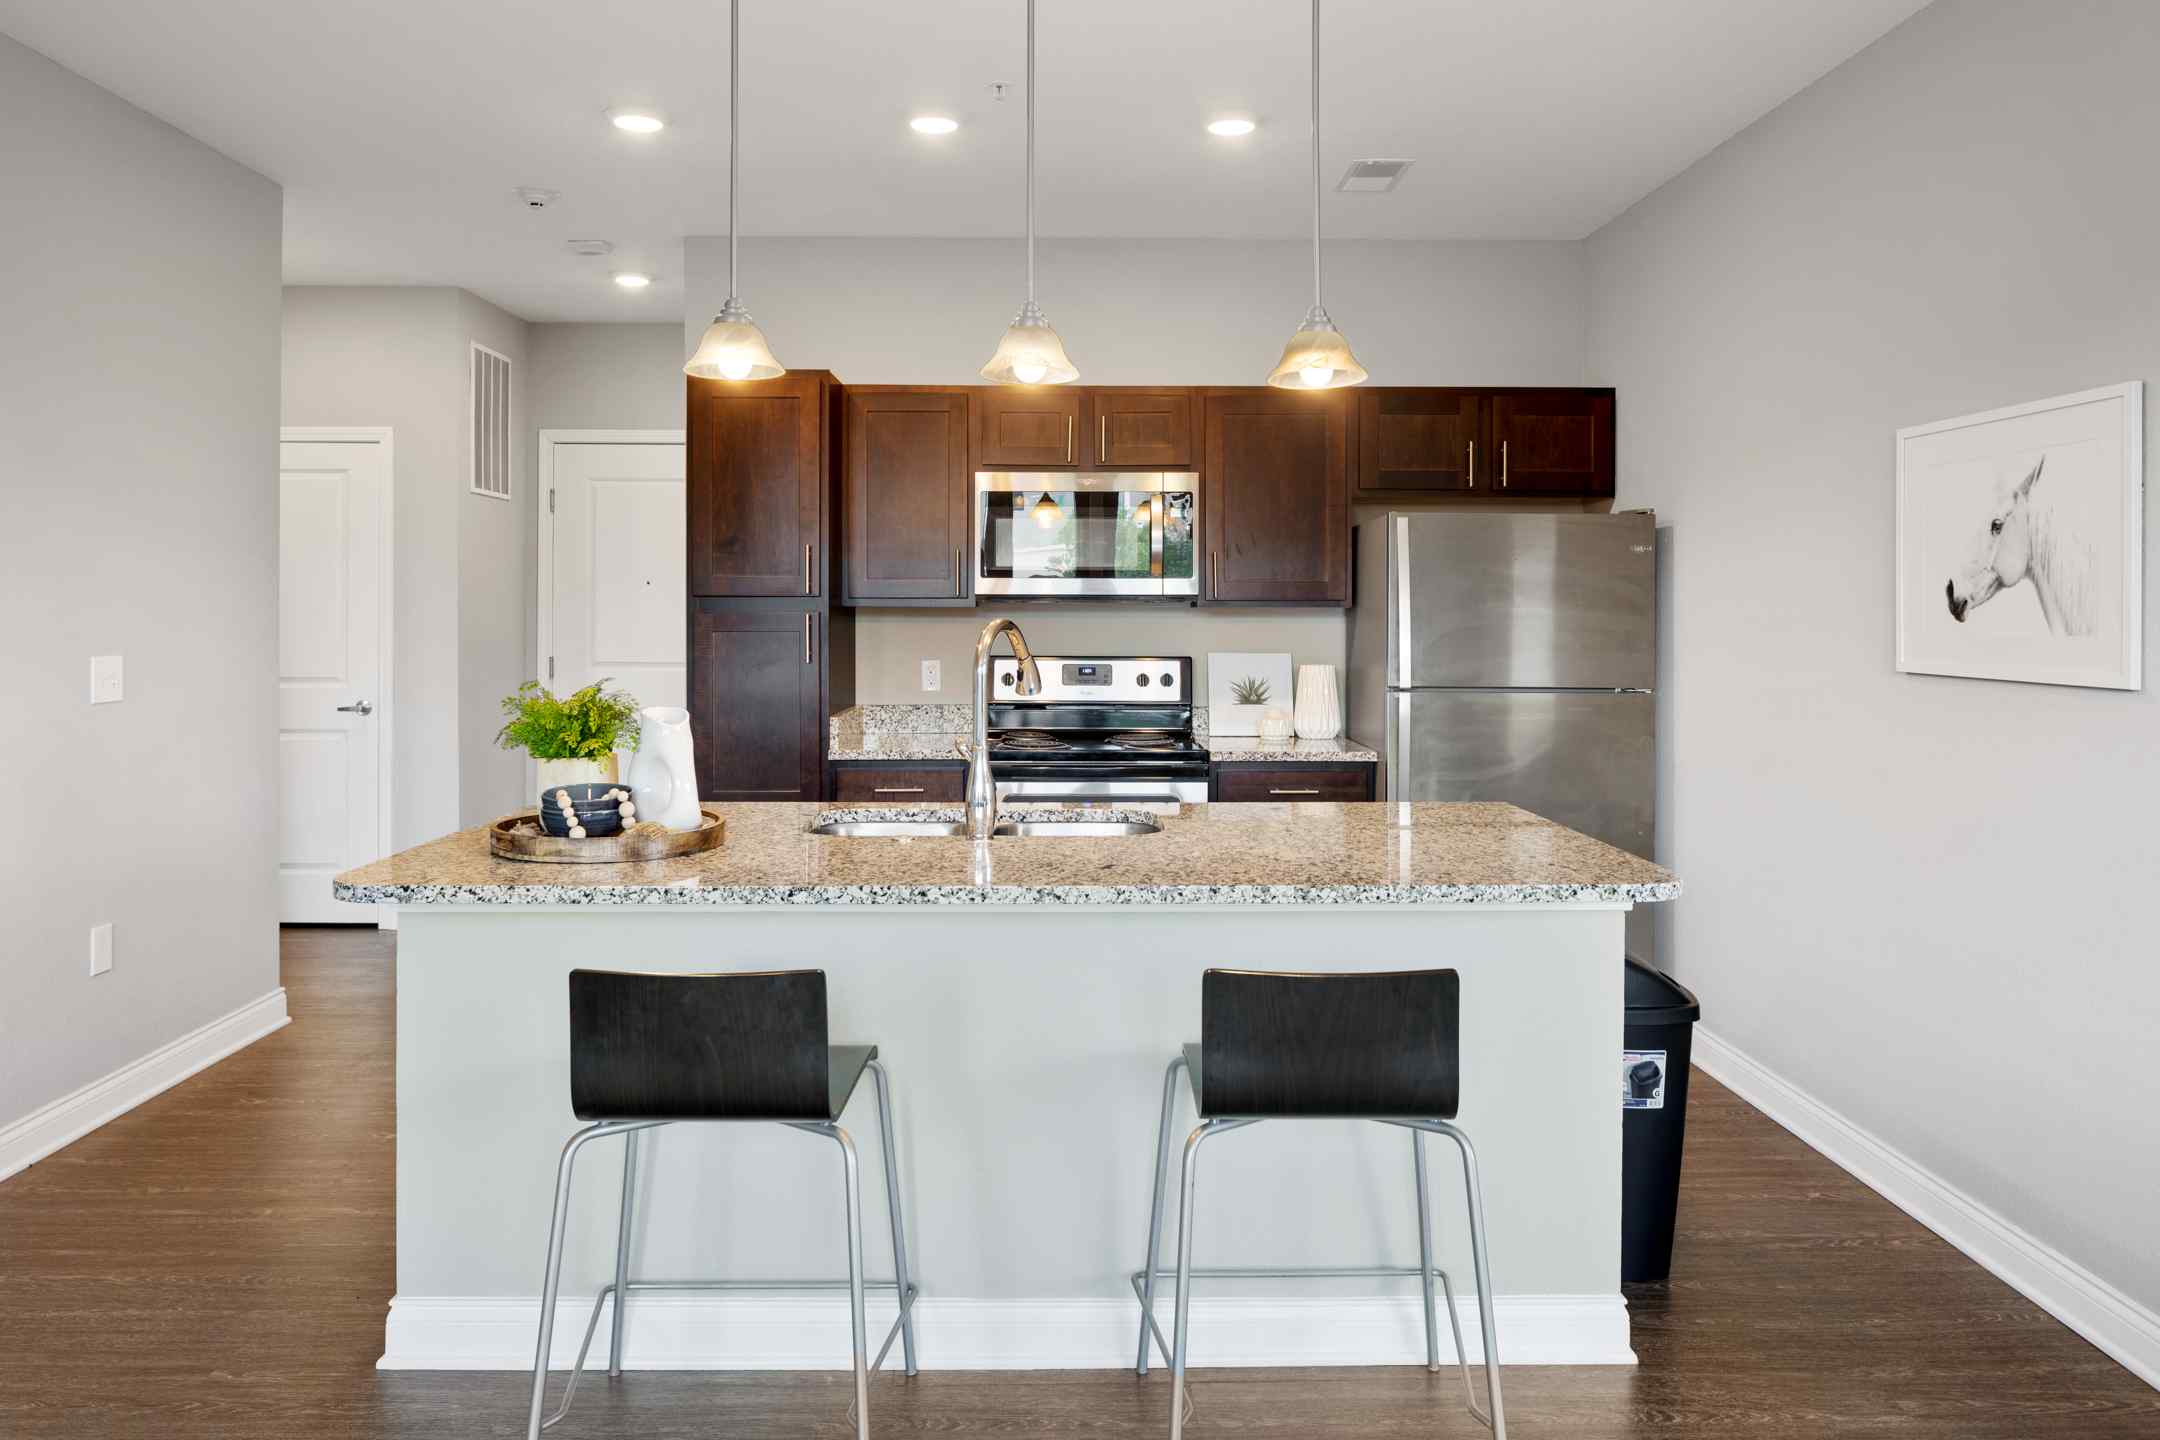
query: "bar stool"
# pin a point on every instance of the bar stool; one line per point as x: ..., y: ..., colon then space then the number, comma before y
x: 654, y: 1050
x: 1308, y: 1047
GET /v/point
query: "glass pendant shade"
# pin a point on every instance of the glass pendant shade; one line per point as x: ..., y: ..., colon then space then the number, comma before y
x: 734, y: 349
x: 1046, y: 512
x: 1317, y: 357
x: 1030, y: 353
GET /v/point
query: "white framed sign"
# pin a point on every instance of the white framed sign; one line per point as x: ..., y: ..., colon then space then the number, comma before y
x: 2021, y: 542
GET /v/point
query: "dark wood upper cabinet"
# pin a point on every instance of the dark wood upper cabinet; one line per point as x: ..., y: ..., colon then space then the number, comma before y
x: 756, y: 481
x: 758, y: 699
x: 906, y: 488
x: 1415, y: 442
x: 1276, y: 501
x: 1025, y: 427
x: 1139, y: 429
x: 1552, y: 442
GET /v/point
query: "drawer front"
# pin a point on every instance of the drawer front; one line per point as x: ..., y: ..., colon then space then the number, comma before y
x: 1285, y: 783
x: 913, y: 785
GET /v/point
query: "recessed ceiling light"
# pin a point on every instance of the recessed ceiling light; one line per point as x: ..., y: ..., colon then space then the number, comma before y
x: 638, y: 120
x: 1230, y: 125
x: 933, y: 124
x: 631, y: 280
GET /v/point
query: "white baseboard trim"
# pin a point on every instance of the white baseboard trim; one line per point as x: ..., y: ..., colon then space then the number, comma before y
x: 26, y: 1141
x: 739, y: 1332
x: 2127, y: 1331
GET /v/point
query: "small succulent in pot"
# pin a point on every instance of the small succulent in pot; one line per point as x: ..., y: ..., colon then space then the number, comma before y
x: 573, y: 737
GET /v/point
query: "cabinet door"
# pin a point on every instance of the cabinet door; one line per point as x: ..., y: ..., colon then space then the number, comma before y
x: 907, y: 491
x: 755, y: 467
x: 1277, y: 497
x: 1021, y: 427
x: 754, y: 703
x: 1420, y: 442
x: 1141, y: 429
x: 1552, y: 442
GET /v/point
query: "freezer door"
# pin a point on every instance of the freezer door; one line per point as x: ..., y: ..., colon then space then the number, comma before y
x: 1584, y: 759
x: 1561, y: 601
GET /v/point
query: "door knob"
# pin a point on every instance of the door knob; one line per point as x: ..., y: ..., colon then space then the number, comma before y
x: 358, y: 707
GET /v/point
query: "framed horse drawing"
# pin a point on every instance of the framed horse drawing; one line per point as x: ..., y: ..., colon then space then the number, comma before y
x: 2021, y: 542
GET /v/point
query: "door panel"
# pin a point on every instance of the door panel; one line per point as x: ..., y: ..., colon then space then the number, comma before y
x: 758, y: 453
x: 1026, y: 428
x: 1530, y: 600
x: 1276, y: 520
x: 1141, y: 429
x: 907, y: 491
x: 756, y: 720
x: 331, y: 768
x: 1420, y: 442
x: 616, y: 568
x: 1586, y: 760
x: 1553, y: 442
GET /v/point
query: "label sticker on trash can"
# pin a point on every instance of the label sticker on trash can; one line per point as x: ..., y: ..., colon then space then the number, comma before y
x: 1642, y: 1079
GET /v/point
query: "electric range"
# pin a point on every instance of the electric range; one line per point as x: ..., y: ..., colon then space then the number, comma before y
x: 1104, y: 729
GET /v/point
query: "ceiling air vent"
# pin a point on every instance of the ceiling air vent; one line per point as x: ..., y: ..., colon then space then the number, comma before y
x: 1373, y: 176
x: 490, y: 426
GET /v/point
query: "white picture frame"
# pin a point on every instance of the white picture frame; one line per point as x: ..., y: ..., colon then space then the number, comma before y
x: 1228, y: 714
x: 2021, y: 542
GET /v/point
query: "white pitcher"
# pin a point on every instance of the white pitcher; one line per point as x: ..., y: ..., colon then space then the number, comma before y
x: 663, y: 773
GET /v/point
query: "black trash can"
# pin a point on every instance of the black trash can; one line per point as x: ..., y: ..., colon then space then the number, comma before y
x: 1661, y: 1017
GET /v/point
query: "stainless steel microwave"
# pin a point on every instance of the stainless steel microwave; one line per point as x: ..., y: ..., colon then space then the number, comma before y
x: 1057, y: 533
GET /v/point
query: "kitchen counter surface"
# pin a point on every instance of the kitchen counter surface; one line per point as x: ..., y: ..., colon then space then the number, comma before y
x: 1243, y: 854
x: 1239, y: 748
x: 941, y: 732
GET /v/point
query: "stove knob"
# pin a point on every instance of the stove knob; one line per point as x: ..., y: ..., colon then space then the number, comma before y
x: 1143, y: 681
x: 1167, y: 679
x: 1008, y: 678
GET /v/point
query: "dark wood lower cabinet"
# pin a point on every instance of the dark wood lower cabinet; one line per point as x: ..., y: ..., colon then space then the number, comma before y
x: 899, y: 782
x: 757, y: 702
x: 1280, y: 783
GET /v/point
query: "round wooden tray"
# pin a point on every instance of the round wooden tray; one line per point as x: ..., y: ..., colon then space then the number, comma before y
x: 519, y: 837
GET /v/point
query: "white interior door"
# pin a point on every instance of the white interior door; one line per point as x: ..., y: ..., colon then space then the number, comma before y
x: 618, y: 607
x: 332, y: 763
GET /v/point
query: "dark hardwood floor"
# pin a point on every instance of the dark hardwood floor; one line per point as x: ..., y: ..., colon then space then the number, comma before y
x: 217, y: 1262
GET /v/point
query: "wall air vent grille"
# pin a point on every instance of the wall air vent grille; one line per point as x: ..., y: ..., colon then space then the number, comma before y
x: 1373, y: 176
x: 490, y: 427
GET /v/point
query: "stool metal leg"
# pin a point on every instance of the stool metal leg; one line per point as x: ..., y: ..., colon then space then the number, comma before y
x: 1473, y: 1192
x: 551, y: 1278
x: 1155, y: 1206
x: 852, y: 1171
x: 622, y: 1254
x: 1424, y: 1253
x: 904, y: 1288
x: 1193, y: 1142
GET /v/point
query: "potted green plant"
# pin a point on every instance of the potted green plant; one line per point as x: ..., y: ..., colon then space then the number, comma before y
x: 574, y: 738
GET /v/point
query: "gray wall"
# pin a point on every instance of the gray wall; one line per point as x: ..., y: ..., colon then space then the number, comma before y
x: 138, y: 481
x: 1189, y: 312
x: 1920, y: 899
x: 399, y: 356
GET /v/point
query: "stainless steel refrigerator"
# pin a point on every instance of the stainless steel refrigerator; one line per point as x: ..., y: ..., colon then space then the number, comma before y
x: 1512, y: 657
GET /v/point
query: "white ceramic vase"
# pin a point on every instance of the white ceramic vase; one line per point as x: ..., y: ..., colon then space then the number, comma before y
x: 1276, y: 724
x: 576, y: 772
x: 663, y: 773
x: 1319, y: 703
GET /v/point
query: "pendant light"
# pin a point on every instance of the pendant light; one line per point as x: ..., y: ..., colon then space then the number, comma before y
x: 1317, y: 357
x: 1046, y: 512
x: 1030, y: 353
x: 733, y: 348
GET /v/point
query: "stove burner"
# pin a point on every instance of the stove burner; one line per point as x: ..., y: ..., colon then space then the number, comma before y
x: 1031, y: 740
x: 1144, y: 740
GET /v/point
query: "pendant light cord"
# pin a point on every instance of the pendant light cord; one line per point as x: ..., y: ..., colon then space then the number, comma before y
x: 734, y: 130
x: 1315, y: 152
x: 1031, y: 149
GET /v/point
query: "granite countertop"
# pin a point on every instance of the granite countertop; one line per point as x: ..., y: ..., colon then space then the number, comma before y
x: 941, y: 732
x: 1249, y: 854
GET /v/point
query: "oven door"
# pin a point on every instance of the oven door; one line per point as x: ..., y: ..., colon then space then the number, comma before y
x: 1056, y: 533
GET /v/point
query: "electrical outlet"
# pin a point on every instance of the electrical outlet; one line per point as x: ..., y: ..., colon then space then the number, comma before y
x: 104, y: 679
x: 930, y: 675
x: 100, y: 948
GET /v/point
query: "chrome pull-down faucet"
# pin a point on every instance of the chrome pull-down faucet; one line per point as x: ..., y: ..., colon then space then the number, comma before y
x: 982, y: 790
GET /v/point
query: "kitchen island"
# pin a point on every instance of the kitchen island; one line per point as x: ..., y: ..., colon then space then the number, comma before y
x: 1026, y: 994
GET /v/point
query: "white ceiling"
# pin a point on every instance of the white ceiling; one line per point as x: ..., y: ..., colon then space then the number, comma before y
x: 400, y: 127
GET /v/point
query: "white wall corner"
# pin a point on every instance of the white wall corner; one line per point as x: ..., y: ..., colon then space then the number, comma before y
x: 2125, y: 1330
x: 26, y: 1141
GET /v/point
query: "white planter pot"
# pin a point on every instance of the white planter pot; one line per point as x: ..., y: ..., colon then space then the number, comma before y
x: 576, y: 772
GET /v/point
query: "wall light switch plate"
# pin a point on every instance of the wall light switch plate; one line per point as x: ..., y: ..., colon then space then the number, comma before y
x: 930, y: 675
x: 100, y: 948
x: 104, y: 679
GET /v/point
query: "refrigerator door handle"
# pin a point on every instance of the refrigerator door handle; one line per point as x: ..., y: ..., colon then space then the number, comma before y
x: 1402, y: 602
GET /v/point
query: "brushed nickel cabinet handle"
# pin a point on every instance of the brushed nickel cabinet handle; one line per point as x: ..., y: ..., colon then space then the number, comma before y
x: 1293, y: 792
x: 959, y: 570
x: 806, y: 651
x: 1472, y: 474
x: 1102, y: 437
x: 897, y: 790
x: 1503, y: 464
x: 806, y: 569
x: 1069, y: 426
